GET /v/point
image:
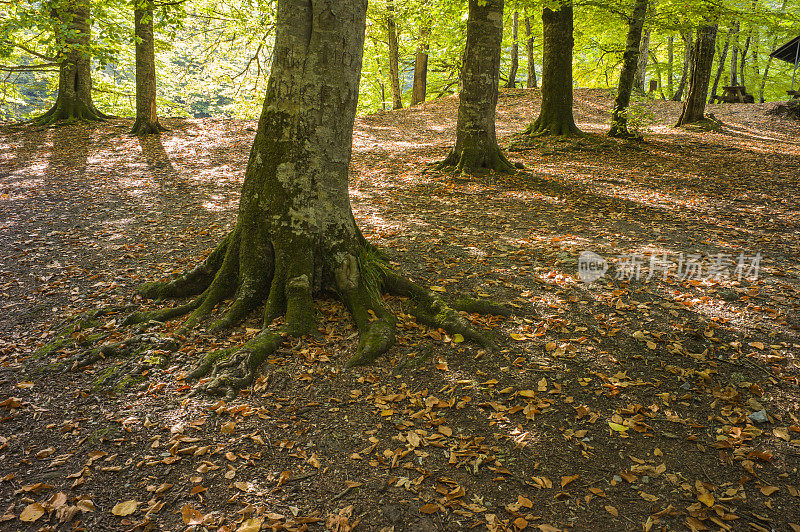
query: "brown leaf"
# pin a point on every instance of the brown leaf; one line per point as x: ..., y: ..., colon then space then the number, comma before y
x: 125, y: 508
x: 32, y: 512
x: 429, y: 508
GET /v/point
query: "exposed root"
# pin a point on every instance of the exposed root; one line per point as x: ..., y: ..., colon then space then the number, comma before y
x: 481, y: 306
x: 162, y: 315
x: 145, y: 127
x: 231, y: 370
x: 471, y: 159
x: 191, y: 283
x: 141, y: 344
x: 79, y: 330
x: 556, y: 126
x: 433, y: 310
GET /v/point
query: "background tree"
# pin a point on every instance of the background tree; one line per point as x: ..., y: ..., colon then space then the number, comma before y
x: 720, y: 66
x: 555, y: 116
x: 630, y: 64
x: 531, y: 82
x: 73, y: 38
x: 695, y: 105
x: 419, y: 89
x: 476, y: 139
x: 394, y: 62
x: 146, y: 115
x: 511, y: 83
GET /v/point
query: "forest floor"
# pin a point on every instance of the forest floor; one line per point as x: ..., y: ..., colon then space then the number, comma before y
x: 663, y: 395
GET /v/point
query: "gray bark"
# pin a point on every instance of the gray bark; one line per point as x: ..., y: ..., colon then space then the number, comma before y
x: 687, y: 59
x: 555, y: 116
x: 720, y: 67
x: 695, y: 105
x: 630, y: 63
x: 640, y: 82
x: 512, y: 74
x: 394, y: 61
x: 74, y: 100
x: 420, y: 88
x: 476, y: 138
x: 670, y: 65
x: 146, y: 114
x: 531, y: 82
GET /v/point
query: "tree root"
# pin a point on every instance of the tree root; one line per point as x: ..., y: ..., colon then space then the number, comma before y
x: 151, y: 346
x: 472, y: 159
x: 231, y: 370
x: 433, y: 311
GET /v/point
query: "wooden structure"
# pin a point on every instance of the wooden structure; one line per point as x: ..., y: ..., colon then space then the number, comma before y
x: 789, y: 52
x: 735, y: 94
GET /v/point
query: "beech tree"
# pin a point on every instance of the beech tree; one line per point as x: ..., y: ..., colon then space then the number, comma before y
x: 146, y: 115
x: 531, y: 82
x: 419, y: 89
x: 512, y: 73
x: 476, y: 139
x: 73, y: 37
x: 694, y: 107
x: 630, y: 64
x: 295, y: 234
x: 394, y: 62
x: 555, y: 116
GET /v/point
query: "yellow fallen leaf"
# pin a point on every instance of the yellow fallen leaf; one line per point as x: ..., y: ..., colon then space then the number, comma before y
x: 542, y: 385
x: 518, y: 337
x: 228, y: 428
x: 457, y: 338
x: 124, y: 508
x: 250, y: 525
x: 706, y: 498
x: 527, y: 393
x: 613, y: 511
x: 769, y: 490
x: 438, y: 289
x: 617, y: 427
x: 447, y: 431
x: 32, y: 512
x: 191, y: 516
x: 567, y: 480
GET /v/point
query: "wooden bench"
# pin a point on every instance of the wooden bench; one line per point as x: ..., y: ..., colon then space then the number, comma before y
x: 793, y: 94
x: 735, y: 94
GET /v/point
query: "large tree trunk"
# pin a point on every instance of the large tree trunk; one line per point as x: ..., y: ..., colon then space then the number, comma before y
x: 420, y: 89
x: 720, y: 67
x: 695, y: 106
x: 687, y: 60
x: 476, y: 139
x: 640, y: 80
x: 512, y: 74
x: 630, y: 62
x: 555, y: 117
x: 73, y: 35
x: 394, y: 60
x: 295, y: 235
x: 146, y: 115
x: 531, y: 82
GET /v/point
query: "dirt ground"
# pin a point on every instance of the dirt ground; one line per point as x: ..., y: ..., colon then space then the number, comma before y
x: 661, y: 396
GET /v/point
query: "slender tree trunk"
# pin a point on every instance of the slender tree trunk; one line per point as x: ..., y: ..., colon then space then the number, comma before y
x: 720, y: 67
x: 531, y: 82
x: 695, y: 106
x: 555, y: 117
x: 476, y: 138
x: 630, y: 61
x: 743, y: 58
x: 657, y: 68
x: 146, y: 115
x: 734, y: 54
x: 640, y: 80
x: 74, y: 100
x: 687, y: 60
x: 420, y: 89
x: 512, y: 74
x: 670, y: 65
x: 394, y: 60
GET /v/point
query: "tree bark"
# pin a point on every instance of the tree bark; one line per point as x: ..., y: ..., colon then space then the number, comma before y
x: 734, y: 54
x: 630, y: 63
x: 394, y: 61
x: 146, y: 115
x: 670, y: 65
x: 720, y: 67
x: 512, y: 74
x: 687, y: 59
x: 531, y: 82
x: 420, y: 89
x: 476, y: 139
x: 743, y: 56
x: 74, y: 100
x: 555, y: 116
x: 695, y: 105
x: 641, y: 68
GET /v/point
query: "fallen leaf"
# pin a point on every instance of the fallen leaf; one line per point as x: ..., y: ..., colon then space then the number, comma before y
x: 125, y: 508
x: 32, y: 512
